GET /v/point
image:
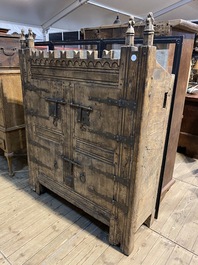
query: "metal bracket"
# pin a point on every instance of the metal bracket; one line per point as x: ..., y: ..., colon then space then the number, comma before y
x: 121, y: 206
x: 121, y: 103
x: 69, y: 178
x: 129, y: 140
x: 53, y: 109
x: 115, y: 178
x: 83, y: 113
x: 70, y: 161
x: 56, y: 102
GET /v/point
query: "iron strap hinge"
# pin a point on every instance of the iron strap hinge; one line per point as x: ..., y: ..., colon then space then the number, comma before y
x: 121, y: 103
x: 115, y: 178
x: 121, y: 206
x: 129, y: 140
x: 106, y: 198
x: 121, y: 180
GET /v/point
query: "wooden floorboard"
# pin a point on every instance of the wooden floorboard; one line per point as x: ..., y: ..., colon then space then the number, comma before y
x: 47, y: 230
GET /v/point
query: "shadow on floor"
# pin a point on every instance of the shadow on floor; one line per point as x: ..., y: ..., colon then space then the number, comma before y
x: 49, y: 199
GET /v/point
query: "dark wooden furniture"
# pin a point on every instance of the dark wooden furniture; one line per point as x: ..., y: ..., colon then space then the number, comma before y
x: 165, y: 28
x: 188, y: 137
x: 12, y: 127
x: 96, y: 129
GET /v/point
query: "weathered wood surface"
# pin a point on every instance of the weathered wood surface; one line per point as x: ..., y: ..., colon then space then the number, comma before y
x: 12, y: 125
x: 66, y: 235
x: 177, y: 27
x: 96, y: 129
x: 9, y: 45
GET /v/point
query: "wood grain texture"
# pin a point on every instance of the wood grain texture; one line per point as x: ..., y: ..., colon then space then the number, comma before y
x: 94, y: 127
x: 12, y: 125
x: 177, y: 27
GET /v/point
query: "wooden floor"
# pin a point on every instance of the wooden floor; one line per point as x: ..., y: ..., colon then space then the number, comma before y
x: 47, y: 230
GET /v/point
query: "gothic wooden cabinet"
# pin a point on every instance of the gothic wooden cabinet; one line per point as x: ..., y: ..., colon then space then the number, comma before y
x: 96, y: 129
x: 12, y: 127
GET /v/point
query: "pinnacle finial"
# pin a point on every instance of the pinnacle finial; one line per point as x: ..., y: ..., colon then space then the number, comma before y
x: 129, y: 40
x: 149, y: 22
x: 149, y: 29
x: 30, y: 39
x: 23, y: 39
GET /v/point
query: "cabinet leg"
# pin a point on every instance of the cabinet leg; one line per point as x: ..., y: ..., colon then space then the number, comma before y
x: 9, y: 160
x: 39, y: 188
x: 149, y: 220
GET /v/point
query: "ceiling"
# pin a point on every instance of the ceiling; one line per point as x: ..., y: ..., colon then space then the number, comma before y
x: 76, y: 14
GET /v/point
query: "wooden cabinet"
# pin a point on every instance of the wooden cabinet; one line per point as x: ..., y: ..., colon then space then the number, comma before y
x: 164, y: 29
x: 12, y: 127
x: 96, y: 129
x: 188, y: 138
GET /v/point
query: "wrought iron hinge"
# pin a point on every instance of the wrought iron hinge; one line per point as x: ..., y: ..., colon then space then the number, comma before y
x: 121, y: 180
x: 115, y: 178
x: 129, y: 140
x: 113, y: 201
x: 121, y: 103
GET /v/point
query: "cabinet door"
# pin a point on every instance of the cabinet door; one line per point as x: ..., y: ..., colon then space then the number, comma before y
x: 47, y: 111
x: 98, y: 142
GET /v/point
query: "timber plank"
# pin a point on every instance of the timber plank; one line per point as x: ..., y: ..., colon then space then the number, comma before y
x: 71, y: 222
x: 187, y: 237
x: 71, y: 237
x: 11, y: 201
x: 195, y: 245
x: 22, y: 205
x: 160, y: 252
x: 70, y: 229
x: 9, y: 230
x: 188, y: 172
x: 177, y: 219
x: 194, y: 260
x: 3, y: 260
x: 100, y: 244
x: 82, y: 249
x: 111, y: 255
x: 41, y: 240
x: 168, y: 205
x: 26, y: 235
x: 188, y: 234
x: 179, y: 256
x: 19, y: 185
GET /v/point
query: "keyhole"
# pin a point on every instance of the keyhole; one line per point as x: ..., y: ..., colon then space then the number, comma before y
x: 165, y: 99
